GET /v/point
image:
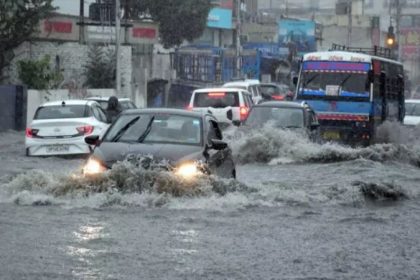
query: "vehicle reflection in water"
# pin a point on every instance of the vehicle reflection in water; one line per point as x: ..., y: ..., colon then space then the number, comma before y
x: 185, y: 241
x: 85, y: 256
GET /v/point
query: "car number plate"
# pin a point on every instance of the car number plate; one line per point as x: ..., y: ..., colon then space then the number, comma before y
x: 58, y: 148
x: 331, y: 135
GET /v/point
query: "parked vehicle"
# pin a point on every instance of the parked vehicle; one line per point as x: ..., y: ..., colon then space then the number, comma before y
x: 228, y: 105
x: 284, y: 115
x: 59, y: 128
x: 251, y: 86
x: 273, y: 91
x: 191, y: 142
x: 125, y: 103
x: 412, y: 112
x: 353, y: 91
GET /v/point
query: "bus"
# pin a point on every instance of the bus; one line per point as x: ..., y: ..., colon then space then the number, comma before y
x: 353, y: 91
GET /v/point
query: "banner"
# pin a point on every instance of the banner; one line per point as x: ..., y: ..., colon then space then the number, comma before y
x: 220, y: 18
x: 410, y: 42
x: 297, y: 35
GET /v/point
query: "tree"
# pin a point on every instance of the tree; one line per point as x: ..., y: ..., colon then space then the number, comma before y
x: 19, y: 19
x: 178, y: 20
x: 100, y: 68
x: 37, y: 74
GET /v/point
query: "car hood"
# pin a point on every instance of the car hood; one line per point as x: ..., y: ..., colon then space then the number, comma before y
x: 411, y: 120
x: 110, y: 153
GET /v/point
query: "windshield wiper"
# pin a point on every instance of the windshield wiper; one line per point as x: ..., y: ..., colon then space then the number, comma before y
x: 124, y: 129
x: 305, y: 83
x: 147, y: 131
x: 344, y: 80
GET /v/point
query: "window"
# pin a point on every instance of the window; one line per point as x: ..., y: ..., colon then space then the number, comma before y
x: 216, y: 99
x: 99, y: 114
x: 62, y: 112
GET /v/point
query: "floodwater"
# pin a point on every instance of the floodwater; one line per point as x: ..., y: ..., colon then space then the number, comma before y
x: 299, y: 210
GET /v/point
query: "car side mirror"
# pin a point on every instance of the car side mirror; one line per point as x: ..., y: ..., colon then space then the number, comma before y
x: 93, y: 140
x: 314, y: 126
x: 236, y: 123
x: 295, y: 80
x: 217, y: 144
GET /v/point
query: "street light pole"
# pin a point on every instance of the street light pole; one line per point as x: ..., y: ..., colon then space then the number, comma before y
x: 117, y: 47
x: 350, y: 22
x: 397, y: 26
x: 238, y: 38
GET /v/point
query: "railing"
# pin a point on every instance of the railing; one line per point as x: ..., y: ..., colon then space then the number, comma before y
x: 376, y: 50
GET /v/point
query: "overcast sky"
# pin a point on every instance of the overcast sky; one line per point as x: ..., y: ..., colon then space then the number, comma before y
x: 71, y: 7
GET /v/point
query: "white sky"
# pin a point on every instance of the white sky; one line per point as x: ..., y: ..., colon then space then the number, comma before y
x: 71, y: 7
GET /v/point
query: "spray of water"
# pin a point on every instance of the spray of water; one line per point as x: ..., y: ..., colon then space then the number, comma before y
x: 276, y: 146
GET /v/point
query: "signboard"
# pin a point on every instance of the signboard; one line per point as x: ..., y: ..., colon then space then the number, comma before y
x: 143, y: 33
x: 410, y: 42
x: 220, y: 18
x: 297, y: 35
x: 58, y: 28
x: 101, y: 34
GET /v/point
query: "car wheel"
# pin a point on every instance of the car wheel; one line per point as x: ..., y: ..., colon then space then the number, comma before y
x: 27, y: 152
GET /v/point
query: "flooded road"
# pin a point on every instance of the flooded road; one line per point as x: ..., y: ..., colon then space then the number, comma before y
x: 301, y: 211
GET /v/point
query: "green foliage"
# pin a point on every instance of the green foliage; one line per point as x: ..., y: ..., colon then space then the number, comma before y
x: 178, y: 20
x: 19, y: 19
x: 100, y: 68
x: 37, y: 74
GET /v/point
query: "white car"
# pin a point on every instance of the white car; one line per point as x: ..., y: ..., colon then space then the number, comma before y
x: 60, y: 127
x: 125, y: 103
x: 253, y: 86
x: 226, y: 104
x: 412, y: 112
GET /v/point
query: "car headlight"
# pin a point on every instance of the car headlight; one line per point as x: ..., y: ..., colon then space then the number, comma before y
x: 93, y: 166
x: 188, y: 170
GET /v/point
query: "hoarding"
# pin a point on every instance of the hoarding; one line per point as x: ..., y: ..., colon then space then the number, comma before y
x: 220, y: 18
x: 410, y: 42
x: 297, y: 35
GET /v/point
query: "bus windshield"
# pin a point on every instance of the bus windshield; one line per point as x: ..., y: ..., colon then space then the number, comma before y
x: 334, y: 83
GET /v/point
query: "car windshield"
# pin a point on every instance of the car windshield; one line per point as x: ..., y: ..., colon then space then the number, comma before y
x: 156, y: 128
x: 273, y: 89
x: 412, y: 109
x: 62, y: 112
x: 216, y: 99
x: 280, y: 116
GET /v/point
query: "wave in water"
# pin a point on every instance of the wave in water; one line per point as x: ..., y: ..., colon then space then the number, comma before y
x: 276, y: 146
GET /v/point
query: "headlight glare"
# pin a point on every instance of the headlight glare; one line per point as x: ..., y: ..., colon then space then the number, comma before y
x: 93, y: 166
x: 188, y: 170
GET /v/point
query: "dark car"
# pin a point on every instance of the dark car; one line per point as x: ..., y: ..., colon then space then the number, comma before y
x: 285, y: 114
x: 272, y: 91
x: 187, y: 140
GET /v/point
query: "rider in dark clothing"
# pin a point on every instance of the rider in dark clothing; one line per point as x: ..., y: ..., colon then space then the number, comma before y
x: 113, y: 109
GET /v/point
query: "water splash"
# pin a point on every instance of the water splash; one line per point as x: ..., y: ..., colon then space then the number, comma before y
x: 276, y: 146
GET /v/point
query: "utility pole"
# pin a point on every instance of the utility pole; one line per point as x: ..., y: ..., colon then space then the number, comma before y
x: 238, y: 38
x: 350, y: 22
x: 117, y: 47
x: 82, y: 22
x: 397, y: 27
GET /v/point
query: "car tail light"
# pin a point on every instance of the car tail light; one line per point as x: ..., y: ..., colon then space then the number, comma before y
x: 243, y: 113
x: 84, y: 130
x: 30, y: 132
x: 278, y: 97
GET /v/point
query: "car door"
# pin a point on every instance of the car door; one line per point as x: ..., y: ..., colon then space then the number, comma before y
x: 220, y: 162
x: 101, y: 124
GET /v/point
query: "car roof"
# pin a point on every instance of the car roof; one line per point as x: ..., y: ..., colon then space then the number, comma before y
x: 221, y: 89
x: 105, y: 98
x: 242, y: 83
x: 171, y: 111
x: 69, y: 102
x: 283, y: 104
x: 412, y: 101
